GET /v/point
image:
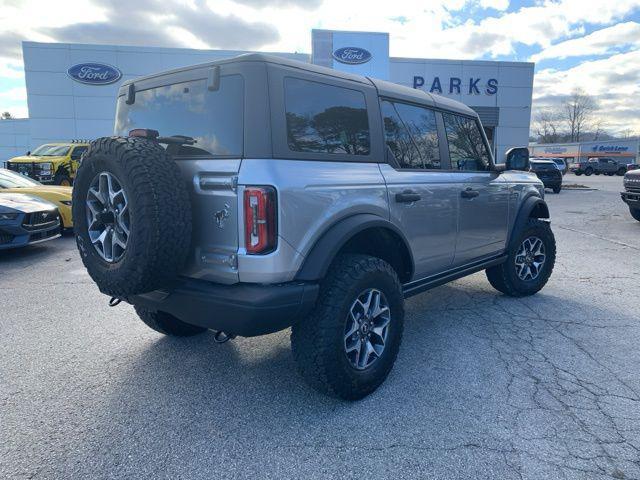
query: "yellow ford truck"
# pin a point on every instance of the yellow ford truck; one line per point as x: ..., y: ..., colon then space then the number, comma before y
x: 51, y: 163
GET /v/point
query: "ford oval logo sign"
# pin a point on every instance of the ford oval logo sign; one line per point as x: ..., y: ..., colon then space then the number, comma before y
x: 352, y: 55
x: 94, y: 73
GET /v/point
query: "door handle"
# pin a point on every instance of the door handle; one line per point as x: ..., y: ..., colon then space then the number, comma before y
x: 408, y: 196
x: 469, y: 193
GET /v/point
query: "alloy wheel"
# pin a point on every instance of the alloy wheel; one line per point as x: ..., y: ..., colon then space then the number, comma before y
x: 108, y: 220
x: 366, y: 328
x: 530, y: 258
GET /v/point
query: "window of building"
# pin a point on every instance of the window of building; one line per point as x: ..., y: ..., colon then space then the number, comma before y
x: 324, y: 118
x: 466, y: 146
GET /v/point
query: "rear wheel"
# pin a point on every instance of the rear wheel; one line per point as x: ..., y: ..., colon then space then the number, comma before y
x: 529, y: 263
x: 635, y: 213
x: 578, y: 174
x: 167, y: 324
x: 557, y: 189
x: 588, y: 172
x: 348, y: 345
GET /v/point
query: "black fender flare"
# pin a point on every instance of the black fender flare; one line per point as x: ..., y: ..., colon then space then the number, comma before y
x: 321, y: 255
x: 529, y: 205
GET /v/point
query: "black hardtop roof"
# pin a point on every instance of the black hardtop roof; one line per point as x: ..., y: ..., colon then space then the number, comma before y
x: 385, y: 89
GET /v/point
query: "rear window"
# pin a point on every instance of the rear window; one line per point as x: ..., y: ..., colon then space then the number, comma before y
x: 324, y: 118
x: 213, y: 118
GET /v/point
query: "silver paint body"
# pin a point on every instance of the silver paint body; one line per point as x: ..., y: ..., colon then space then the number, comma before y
x: 443, y: 229
x: 314, y: 191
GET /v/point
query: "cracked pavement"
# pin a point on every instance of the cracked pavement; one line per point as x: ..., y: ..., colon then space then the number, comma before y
x: 485, y: 386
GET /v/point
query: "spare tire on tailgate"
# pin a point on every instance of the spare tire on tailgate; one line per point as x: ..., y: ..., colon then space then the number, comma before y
x: 132, y: 216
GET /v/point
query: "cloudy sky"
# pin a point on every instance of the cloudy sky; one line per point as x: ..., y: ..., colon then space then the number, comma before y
x: 591, y: 44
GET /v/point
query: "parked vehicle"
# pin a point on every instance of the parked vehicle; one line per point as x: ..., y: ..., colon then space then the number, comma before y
x: 548, y: 172
x: 11, y: 182
x: 561, y: 163
x: 631, y: 193
x: 606, y: 166
x: 25, y: 220
x: 632, y: 166
x: 52, y: 163
x: 258, y: 193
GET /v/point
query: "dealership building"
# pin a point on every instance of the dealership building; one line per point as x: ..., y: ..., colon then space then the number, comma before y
x: 71, y: 88
x: 622, y: 151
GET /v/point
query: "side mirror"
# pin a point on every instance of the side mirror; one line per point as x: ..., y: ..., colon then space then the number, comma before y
x: 517, y: 159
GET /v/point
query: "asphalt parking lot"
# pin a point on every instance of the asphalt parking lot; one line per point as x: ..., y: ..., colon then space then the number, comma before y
x: 485, y: 386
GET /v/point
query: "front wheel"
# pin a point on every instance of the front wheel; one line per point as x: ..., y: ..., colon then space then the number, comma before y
x: 578, y: 174
x: 621, y: 171
x: 557, y: 189
x: 529, y: 263
x: 635, y: 213
x: 348, y: 345
x: 588, y: 171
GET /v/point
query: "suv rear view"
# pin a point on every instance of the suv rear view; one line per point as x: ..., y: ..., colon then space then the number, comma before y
x: 254, y: 194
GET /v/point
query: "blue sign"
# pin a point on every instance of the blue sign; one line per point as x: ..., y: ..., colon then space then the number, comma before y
x: 352, y: 55
x: 609, y: 148
x: 94, y: 73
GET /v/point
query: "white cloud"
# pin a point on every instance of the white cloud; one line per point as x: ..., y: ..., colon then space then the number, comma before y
x: 496, y: 4
x: 16, y: 94
x: 600, y: 42
x: 614, y: 82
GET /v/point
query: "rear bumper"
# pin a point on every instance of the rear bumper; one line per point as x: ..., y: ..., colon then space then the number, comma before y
x: 243, y: 309
x: 631, y: 198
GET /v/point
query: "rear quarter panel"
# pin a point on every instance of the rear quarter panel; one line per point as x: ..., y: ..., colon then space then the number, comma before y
x: 312, y: 196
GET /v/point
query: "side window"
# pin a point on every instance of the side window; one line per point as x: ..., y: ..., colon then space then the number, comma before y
x: 466, y: 148
x: 77, y: 152
x: 421, y: 123
x: 398, y: 139
x: 325, y: 119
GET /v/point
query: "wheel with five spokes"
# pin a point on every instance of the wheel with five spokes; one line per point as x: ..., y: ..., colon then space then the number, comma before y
x: 132, y: 216
x: 349, y: 343
x: 530, y: 261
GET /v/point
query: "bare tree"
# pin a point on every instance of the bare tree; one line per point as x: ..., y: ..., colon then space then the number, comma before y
x: 5, y: 115
x: 577, y: 112
x: 627, y: 133
x: 547, y: 125
x: 598, y: 130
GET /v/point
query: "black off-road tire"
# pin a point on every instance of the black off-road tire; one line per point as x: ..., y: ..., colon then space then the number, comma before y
x: 557, y: 189
x: 159, y: 209
x: 635, y: 213
x: 588, y: 172
x: 62, y: 179
x: 317, y: 341
x: 504, y: 277
x: 167, y: 324
x: 621, y: 171
x: 577, y: 174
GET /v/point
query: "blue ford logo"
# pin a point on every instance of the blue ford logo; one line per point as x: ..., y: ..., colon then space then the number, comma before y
x: 94, y: 73
x: 352, y: 55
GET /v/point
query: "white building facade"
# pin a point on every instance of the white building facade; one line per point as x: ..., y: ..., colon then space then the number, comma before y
x: 64, y: 105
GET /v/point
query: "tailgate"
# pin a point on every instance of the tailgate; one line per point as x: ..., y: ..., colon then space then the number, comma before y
x: 214, y: 202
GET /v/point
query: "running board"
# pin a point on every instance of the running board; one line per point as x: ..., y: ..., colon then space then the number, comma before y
x: 418, y: 286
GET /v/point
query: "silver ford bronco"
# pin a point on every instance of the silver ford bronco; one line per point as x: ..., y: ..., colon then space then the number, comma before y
x: 254, y: 194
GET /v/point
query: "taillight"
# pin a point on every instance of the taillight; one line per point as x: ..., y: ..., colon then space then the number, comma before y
x: 260, y: 222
